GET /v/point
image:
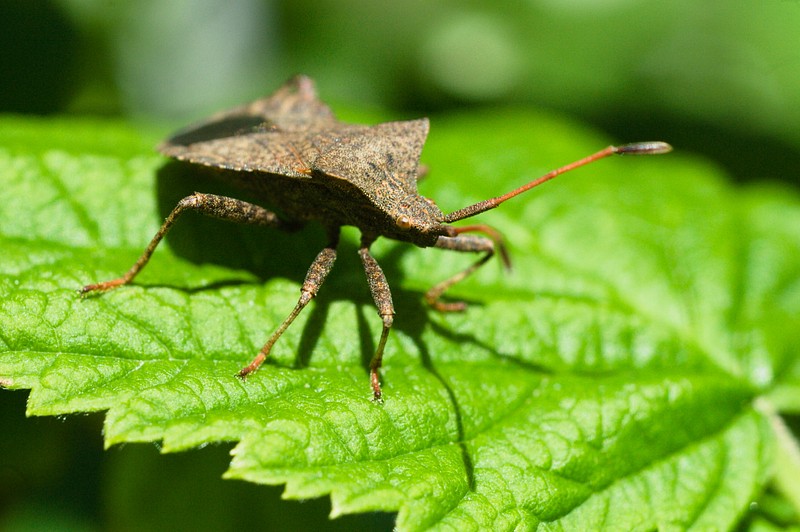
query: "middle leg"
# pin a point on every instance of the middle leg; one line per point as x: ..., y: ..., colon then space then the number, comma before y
x: 383, y: 300
x: 316, y: 275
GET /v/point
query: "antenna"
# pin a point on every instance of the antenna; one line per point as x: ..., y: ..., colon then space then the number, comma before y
x: 637, y: 148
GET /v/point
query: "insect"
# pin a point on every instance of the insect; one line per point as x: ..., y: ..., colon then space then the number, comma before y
x: 293, y: 154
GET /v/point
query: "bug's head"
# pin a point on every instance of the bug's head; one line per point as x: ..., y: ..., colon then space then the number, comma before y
x: 416, y: 219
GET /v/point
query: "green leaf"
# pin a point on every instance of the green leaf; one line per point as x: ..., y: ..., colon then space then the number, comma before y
x: 623, y: 375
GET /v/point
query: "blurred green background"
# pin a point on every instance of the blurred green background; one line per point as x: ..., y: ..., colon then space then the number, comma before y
x: 718, y: 78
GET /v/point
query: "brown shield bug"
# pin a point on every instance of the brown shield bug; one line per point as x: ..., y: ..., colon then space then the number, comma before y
x: 290, y: 150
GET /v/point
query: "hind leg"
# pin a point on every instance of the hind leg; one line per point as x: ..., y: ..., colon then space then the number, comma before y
x: 221, y: 207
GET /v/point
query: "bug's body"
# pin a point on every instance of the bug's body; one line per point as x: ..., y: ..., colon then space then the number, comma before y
x: 290, y: 149
x: 292, y: 152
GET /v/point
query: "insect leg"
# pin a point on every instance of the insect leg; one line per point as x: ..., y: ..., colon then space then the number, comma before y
x: 383, y: 300
x: 208, y: 204
x: 470, y: 243
x: 316, y: 275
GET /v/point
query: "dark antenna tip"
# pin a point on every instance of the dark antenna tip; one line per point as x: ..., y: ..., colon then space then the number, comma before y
x: 643, y: 148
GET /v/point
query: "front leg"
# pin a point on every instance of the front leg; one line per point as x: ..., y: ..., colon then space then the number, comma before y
x: 468, y: 243
x: 383, y: 300
x: 221, y: 207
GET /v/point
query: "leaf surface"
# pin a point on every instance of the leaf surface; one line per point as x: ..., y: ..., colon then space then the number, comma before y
x: 610, y: 380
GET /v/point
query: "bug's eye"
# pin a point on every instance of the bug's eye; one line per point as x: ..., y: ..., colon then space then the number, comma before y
x: 403, y: 222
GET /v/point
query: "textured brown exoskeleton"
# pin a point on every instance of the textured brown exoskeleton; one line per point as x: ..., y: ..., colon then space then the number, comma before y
x: 292, y: 152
